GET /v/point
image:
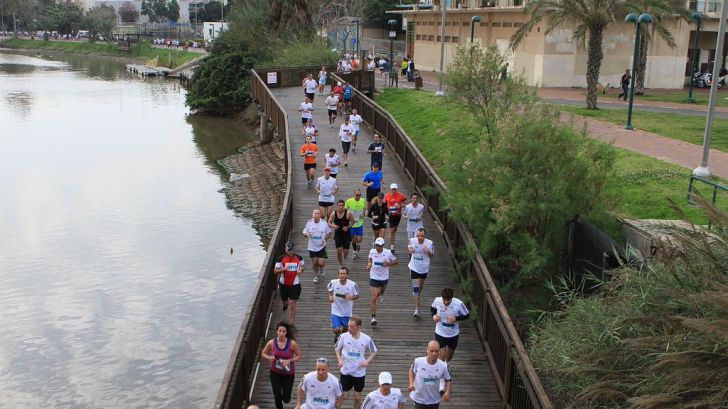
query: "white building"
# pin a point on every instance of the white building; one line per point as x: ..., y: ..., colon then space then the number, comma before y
x: 212, y: 30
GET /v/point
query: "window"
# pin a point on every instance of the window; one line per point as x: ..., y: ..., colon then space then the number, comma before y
x: 507, y: 24
x: 455, y: 40
x: 496, y: 24
x: 485, y: 24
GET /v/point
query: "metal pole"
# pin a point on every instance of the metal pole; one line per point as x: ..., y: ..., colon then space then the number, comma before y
x: 628, y: 125
x: 473, y: 20
x: 703, y: 170
x: 357, y: 37
x: 697, y: 17
x: 443, y: 6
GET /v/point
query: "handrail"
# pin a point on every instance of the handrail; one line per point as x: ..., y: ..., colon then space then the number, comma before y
x: 237, y: 382
x: 517, y: 381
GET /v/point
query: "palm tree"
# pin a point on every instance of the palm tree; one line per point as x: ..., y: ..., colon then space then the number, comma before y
x: 590, y: 16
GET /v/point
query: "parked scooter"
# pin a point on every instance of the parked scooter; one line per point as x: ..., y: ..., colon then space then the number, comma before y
x: 705, y: 79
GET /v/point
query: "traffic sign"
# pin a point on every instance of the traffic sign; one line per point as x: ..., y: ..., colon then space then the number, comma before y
x: 353, y: 41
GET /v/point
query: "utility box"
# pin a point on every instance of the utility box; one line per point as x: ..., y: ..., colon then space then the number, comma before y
x: 418, y: 82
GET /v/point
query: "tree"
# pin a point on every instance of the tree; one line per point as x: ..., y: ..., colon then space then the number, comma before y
x: 292, y: 17
x: 102, y: 20
x: 591, y: 18
x: 374, y: 11
x: 337, y: 16
x: 211, y: 11
x: 62, y: 17
x: 128, y: 12
x: 155, y: 10
x: 173, y: 11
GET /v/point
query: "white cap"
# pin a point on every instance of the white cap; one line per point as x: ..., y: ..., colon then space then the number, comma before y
x: 338, y: 82
x: 379, y: 241
x: 385, y: 377
x: 393, y: 186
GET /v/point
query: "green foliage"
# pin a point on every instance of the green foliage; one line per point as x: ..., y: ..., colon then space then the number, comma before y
x: 101, y: 20
x: 654, y: 337
x: 173, y: 11
x: 375, y: 11
x: 211, y: 11
x: 128, y: 12
x: 62, y: 17
x: 155, y: 10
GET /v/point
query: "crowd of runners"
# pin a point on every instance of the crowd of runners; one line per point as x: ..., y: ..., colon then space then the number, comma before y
x: 429, y: 378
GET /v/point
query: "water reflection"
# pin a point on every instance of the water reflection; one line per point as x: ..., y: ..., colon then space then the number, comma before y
x: 217, y: 138
x: 19, y: 101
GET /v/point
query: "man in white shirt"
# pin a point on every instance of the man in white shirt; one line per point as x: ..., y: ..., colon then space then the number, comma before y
x: 342, y: 293
x: 332, y: 102
x: 326, y: 188
x: 317, y: 231
x: 425, y: 375
x: 351, y: 350
x: 421, y: 251
x: 319, y: 389
x: 346, y: 134
x: 306, y: 110
x: 309, y: 85
x: 355, y: 119
x: 414, y: 212
x: 386, y: 397
x: 380, y: 259
x: 446, y: 312
x: 332, y: 162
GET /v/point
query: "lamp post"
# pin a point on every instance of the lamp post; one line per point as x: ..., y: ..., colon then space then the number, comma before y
x: 443, y: 7
x: 473, y: 20
x: 356, y: 36
x: 697, y: 17
x: 633, y: 18
x: 392, y: 34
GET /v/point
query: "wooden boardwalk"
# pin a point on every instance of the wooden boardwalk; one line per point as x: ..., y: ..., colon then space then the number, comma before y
x: 399, y: 338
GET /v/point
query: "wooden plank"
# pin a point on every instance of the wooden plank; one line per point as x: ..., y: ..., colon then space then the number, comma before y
x: 398, y: 336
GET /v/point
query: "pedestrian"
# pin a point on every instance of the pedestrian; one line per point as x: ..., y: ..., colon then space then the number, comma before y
x: 342, y: 294
x: 333, y: 162
x: 309, y: 87
x: 356, y: 206
x: 626, y: 78
x: 310, y: 130
x: 332, y: 103
x: 306, y: 110
x: 503, y: 73
x: 282, y: 353
x: 317, y: 232
x: 411, y: 70
x: 376, y: 151
x: 355, y: 119
x: 308, y: 151
x: 378, y: 212
x: 404, y: 66
x: 319, y: 389
x: 426, y: 375
x: 346, y: 134
x: 421, y: 251
x: 326, y: 188
x: 446, y: 312
x: 341, y: 221
x: 414, y: 212
x: 386, y: 397
x: 395, y: 201
x: 373, y: 181
x: 339, y: 91
x: 323, y: 78
x: 288, y: 268
x: 351, y: 352
x: 380, y: 259
x: 348, y: 95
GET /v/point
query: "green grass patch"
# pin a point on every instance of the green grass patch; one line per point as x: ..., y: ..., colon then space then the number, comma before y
x: 680, y: 127
x: 700, y: 96
x: 140, y: 51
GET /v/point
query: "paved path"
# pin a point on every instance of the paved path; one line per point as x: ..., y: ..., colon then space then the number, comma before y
x: 399, y: 338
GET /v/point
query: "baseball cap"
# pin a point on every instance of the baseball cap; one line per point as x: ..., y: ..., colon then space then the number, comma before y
x: 376, y: 164
x: 380, y: 194
x: 290, y: 245
x: 379, y: 241
x: 327, y: 169
x: 338, y: 83
x: 385, y: 377
x: 393, y: 186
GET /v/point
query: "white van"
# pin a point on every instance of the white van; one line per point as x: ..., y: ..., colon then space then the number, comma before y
x: 82, y: 34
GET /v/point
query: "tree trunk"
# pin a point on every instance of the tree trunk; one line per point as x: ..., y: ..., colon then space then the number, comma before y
x: 641, y: 66
x: 593, y: 64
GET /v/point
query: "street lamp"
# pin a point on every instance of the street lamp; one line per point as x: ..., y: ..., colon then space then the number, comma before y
x: 356, y: 36
x: 697, y: 17
x: 473, y: 20
x: 392, y: 35
x: 443, y: 6
x: 633, y: 18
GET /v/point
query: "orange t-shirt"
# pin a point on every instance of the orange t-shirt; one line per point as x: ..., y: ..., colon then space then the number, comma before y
x: 309, y: 152
x: 392, y: 200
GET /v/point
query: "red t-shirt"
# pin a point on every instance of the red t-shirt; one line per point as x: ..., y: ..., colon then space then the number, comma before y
x: 339, y: 90
x: 292, y: 266
x: 392, y: 200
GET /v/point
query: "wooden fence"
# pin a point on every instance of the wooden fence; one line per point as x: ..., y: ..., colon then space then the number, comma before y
x: 293, y: 76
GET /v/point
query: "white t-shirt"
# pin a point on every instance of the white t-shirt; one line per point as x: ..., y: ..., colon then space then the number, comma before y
x: 306, y: 108
x: 355, y: 121
x: 353, y: 353
x: 333, y: 163
x: 456, y: 308
x: 331, y: 102
x: 375, y: 399
x: 310, y: 131
x: 420, y: 261
x: 311, y: 86
x: 379, y: 271
x: 345, y: 132
x: 317, y: 232
x: 327, y: 187
x: 320, y: 395
x: 370, y: 65
x: 414, y: 216
x: 427, y: 380
x: 341, y: 307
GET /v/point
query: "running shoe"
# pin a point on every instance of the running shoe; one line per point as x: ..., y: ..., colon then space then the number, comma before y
x: 315, y: 279
x: 416, y: 314
x: 380, y: 299
x: 374, y: 321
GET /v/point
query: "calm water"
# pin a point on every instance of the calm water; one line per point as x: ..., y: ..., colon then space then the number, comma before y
x: 117, y: 286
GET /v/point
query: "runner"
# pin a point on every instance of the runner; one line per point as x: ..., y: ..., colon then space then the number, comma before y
x: 425, y: 375
x: 373, y: 181
x: 282, y: 353
x: 446, y: 312
x: 323, y: 78
x: 342, y: 293
x: 326, y: 188
x: 376, y: 151
x: 395, y: 201
x: 332, y: 162
x: 310, y: 130
x: 309, y: 87
x: 380, y: 259
x: 341, y: 221
x: 332, y: 104
x: 318, y: 232
x: 386, y: 397
x: 306, y: 110
x: 421, y: 251
x: 350, y: 350
x: 346, y: 133
x: 289, y: 267
x: 348, y: 95
x: 356, y: 205
x: 309, y: 150
x: 339, y: 91
x: 355, y: 119
x: 319, y: 389
x: 378, y: 212
x: 414, y: 212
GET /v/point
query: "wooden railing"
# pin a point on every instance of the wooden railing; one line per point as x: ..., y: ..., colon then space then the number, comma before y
x: 238, y: 380
x: 517, y: 382
x: 293, y: 76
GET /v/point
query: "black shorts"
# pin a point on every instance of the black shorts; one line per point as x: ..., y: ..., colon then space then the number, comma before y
x: 333, y: 175
x: 447, y: 342
x: 378, y: 226
x: 371, y: 193
x: 394, y: 220
x: 326, y: 204
x: 292, y: 292
x: 345, y: 146
x: 343, y: 241
x: 378, y: 283
x: 318, y: 254
x: 310, y: 95
x: 307, y: 166
x: 332, y: 113
x: 414, y: 275
x: 304, y: 120
x: 423, y: 406
x: 348, y: 382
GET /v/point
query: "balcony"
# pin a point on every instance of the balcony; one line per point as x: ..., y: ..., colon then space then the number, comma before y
x: 704, y: 6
